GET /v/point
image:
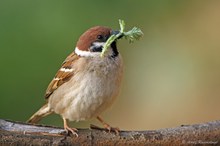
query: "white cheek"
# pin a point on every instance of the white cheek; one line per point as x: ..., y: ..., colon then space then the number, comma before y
x: 99, y: 44
x: 86, y: 53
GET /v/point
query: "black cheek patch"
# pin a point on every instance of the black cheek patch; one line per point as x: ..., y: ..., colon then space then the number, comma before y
x: 96, y: 48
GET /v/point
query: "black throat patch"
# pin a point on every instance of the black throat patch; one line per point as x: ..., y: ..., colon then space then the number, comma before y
x: 114, y: 50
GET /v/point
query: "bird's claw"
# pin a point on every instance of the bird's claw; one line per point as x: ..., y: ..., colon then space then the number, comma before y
x: 71, y: 130
x: 106, y: 128
x: 112, y: 129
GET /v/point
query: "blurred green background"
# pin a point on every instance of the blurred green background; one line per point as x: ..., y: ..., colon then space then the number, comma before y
x: 172, y: 75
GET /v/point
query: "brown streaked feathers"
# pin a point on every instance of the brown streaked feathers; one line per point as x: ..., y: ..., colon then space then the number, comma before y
x: 61, y: 77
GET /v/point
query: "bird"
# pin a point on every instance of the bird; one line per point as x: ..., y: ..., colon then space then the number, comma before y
x: 86, y: 83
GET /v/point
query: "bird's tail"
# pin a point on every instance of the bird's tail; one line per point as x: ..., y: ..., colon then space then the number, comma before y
x: 42, y: 112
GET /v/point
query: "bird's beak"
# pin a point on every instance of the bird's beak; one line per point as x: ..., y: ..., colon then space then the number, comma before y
x: 115, y: 32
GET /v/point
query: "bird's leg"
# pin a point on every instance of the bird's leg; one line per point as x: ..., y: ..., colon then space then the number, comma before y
x: 107, y: 126
x: 68, y: 129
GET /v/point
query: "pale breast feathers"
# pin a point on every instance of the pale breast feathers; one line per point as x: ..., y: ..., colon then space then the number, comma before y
x: 63, y: 75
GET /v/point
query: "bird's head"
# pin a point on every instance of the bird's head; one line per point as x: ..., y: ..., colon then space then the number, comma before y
x: 91, y: 42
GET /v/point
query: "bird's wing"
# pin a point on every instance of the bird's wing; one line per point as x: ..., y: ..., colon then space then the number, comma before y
x: 63, y: 75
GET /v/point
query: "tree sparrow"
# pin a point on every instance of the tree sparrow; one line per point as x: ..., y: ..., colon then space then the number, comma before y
x: 86, y: 84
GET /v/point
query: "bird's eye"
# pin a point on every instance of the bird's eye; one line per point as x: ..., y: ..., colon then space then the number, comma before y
x: 99, y: 37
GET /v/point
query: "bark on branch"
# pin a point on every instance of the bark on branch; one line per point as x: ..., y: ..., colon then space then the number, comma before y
x: 17, y: 133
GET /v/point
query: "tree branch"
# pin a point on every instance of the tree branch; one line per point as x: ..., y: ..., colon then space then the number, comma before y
x: 17, y: 133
